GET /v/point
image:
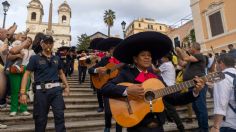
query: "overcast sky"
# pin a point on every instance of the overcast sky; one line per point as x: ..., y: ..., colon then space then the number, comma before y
x: 87, y: 15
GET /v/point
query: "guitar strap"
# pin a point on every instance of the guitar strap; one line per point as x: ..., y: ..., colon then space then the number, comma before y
x: 234, y: 87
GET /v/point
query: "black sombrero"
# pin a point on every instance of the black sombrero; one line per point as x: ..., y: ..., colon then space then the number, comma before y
x: 80, y: 51
x: 157, y: 43
x: 94, y: 42
x: 108, y: 43
x: 63, y: 48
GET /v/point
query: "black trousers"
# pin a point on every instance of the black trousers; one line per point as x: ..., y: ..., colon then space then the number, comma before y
x: 108, y: 116
x: 42, y: 102
x: 100, y: 98
x: 173, y: 115
x: 82, y: 73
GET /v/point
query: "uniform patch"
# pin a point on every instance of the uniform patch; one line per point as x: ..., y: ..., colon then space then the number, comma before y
x: 55, y: 61
x: 42, y: 62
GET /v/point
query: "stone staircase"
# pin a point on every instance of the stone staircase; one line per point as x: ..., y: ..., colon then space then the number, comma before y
x: 81, y: 114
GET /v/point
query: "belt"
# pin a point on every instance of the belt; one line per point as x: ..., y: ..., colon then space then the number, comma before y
x: 152, y: 125
x: 48, y: 85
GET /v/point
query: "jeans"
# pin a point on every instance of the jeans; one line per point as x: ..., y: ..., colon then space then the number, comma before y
x: 227, y: 129
x: 200, y: 109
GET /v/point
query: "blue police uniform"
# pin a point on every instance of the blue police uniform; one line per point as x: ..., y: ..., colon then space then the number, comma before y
x: 46, y: 70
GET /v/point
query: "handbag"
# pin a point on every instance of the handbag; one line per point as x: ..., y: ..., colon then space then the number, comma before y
x: 16, y: 69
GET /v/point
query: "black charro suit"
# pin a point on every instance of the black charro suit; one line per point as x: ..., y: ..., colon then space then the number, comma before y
x: 104, y: 61
x: 128, y: 74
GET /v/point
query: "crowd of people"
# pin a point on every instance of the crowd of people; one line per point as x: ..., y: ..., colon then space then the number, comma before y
x: 29, y: 64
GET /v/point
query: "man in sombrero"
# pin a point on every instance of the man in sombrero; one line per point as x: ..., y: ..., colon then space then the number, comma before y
x: 141, y: 50
x: 108, y: 45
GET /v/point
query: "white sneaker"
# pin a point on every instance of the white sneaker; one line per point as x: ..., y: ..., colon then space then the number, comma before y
x: 3, y: 126
x: 13, y: 114
x: 26, y: 113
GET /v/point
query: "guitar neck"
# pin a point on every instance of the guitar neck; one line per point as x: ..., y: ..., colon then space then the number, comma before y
x: 178, y: 87
x: 116, y: 67
x: 175, y: 88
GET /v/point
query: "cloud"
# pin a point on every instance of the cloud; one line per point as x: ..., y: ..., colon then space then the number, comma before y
x: 87, y: 15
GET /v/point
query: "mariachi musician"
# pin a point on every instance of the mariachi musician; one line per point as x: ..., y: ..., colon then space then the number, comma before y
x: 62, y: 52
x: 141, y: 50
x: 94, y: 59
x: 106, y: 45
x: 82, y: 65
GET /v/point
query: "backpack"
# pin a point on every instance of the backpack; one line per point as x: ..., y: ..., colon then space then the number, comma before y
x: 234, y: 84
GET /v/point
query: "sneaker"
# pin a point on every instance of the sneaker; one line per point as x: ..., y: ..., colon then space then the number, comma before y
x: 26, y: 113
x: 3, y: 106
x: 107, y: 129
x: 13, y: 114
x: 3, y: 126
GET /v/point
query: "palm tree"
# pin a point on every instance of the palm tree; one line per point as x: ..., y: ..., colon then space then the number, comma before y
x: 109, y: 17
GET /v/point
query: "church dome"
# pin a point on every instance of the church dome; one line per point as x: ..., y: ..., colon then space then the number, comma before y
x: 35, y: 4
x: 64, y: 7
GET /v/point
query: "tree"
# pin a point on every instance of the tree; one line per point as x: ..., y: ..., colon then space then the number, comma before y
x: 83, y: 42
x: 109, y: 17
x: 190, y: 38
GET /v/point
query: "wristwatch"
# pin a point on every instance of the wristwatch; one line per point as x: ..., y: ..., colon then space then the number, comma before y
x: 20, y: 94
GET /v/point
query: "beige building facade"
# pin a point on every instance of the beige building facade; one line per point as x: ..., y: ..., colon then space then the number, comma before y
x: 61, y: 30
x: 180, y: 35
x: 97, y: 35
x: 145, y: 24
x: 214, y: 23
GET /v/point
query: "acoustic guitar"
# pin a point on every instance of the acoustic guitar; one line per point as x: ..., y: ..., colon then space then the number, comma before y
x: 128, y: 111
x: 101, y: 79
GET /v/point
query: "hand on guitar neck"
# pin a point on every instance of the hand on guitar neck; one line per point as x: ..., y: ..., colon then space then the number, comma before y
x: 199, y: 85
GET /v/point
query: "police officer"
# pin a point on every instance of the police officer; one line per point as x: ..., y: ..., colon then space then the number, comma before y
x: 48, y: 92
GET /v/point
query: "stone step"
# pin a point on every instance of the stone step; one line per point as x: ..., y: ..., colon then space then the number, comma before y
x: 69, y: 108
x: 72, y: 116
x: 93, y: 126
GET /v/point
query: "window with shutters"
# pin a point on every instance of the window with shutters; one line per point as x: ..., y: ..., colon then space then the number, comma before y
x: 216, y: 24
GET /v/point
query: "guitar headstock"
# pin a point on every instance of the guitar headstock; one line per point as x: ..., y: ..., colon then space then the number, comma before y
x: 215, y: 77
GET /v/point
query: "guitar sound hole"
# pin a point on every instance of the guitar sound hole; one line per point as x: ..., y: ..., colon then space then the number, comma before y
x: 149, y: 96
x: 108, y: 71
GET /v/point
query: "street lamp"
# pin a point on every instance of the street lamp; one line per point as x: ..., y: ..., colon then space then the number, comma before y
x: 6, y: 6
x: 123, y: 27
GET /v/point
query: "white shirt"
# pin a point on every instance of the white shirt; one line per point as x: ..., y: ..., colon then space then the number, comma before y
x: 27, y: 55
x: 3, y: 54
x: 210, y: 62
x: 168, y: 73
x: 223, y: 94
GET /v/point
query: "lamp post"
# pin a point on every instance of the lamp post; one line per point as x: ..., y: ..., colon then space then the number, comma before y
x: 123, y: 27
x: 6, y: 6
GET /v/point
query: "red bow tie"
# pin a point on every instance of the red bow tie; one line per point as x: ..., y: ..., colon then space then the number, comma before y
x: 144, y: 76
x: 114, y: 60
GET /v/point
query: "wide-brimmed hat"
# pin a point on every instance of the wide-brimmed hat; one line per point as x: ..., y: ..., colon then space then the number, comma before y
x: 94, y: 42
x: 80, y: 51
x: 157, y: 43
x: 108, y: 43
x: 63, y: 48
